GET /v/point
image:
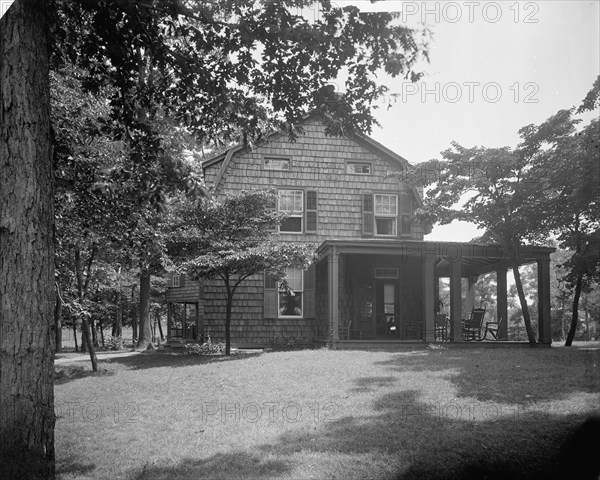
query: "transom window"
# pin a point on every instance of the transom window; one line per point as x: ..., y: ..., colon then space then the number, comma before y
x: 290, y: 299
x: 291, y: 202
x: 386, y: 212
x: 277, y: 163
x: 358, y: 168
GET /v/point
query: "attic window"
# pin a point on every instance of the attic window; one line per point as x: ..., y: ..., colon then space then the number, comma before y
x: 277, y: 163
x: 358, y: 168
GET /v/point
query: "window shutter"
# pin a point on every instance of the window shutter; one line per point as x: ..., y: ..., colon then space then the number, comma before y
x: 367, y: 204
x: 182, y: 279
x: 273, y: 205
x: 404, y: 220
x: 309, y: 292
x: 311, y: 211
x: 270, y: 305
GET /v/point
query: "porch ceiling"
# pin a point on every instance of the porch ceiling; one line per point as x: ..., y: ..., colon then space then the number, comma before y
x: 474, y: 258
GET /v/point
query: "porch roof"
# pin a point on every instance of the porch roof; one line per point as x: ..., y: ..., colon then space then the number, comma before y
x: 473, y: 257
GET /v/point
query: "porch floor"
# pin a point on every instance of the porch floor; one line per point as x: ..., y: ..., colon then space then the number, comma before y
x: 419, y: 344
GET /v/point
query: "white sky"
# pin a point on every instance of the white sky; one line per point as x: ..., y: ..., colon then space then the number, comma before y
x: 545, y: 60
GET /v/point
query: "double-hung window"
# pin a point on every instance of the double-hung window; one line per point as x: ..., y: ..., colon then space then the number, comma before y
x: 386, y: 214
x: 291, y: 202
x: 290, y: 297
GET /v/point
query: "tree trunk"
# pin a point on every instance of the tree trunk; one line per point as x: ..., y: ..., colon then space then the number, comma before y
x: 86, y: 338
x: 145, y: 333
x: 75, y: 336
x: 134, y: 319
x: 575, y: 314
x: 94, y: 333
x: 524, y: 306
x: 160, y: 330
x: 117, y: 330
x: 58, y: 306
x: 26, y: 247
x: 230, y: 293
x: 101, y: 332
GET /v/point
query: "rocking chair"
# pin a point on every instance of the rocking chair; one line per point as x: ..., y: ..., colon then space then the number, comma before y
x: 493, y: 328
x: 441, y: 327
x: 471, y: 327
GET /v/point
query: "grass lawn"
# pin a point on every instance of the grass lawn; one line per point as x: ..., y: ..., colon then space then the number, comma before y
x: 425, y: 414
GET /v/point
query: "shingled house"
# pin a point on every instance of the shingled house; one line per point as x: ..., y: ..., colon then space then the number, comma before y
x: 376, y: 279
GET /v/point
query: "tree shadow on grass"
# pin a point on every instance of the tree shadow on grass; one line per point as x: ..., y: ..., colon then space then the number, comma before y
x: 231, y: 466
x: 159, y: 360
x: 412, y: 439
x: 70, y: 467
x: 68, y: 372
x: 510, y: 376
x: 369, y: 384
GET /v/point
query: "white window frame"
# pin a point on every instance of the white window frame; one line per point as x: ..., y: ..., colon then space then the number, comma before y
x: 176, y: 281
x: 293, y: 213
x: 301, y: 291
x: 348, y: 164
x: 385, y: 215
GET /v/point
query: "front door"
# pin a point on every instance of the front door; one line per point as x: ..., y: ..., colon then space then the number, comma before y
x: 388, y: 325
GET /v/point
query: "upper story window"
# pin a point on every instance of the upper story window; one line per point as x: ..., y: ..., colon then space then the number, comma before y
x: 386, y: 214
x: 176, y: 281
x: 291, y: 202
x: 277, y: 163
x: 358, y: 168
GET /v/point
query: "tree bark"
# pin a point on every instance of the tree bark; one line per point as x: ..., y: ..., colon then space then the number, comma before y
x: 26, y: 247
x: 101, y: 332
x: 86, y: 338
x: 75, y: 337
x: 524, y: 306
x: 145, y: 328
x: 160, y: 330
x: 58, y: 306
x: 575, y: 311
x: 230, y: 293
x: 134, y: 319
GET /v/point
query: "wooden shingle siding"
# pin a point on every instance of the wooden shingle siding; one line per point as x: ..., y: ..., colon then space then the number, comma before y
x: 318, y: 163
x: 333, y: 210
x: 189, y: 291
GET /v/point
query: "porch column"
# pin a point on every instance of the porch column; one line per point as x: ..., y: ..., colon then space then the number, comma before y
x: 544, y: 314
x: 470, y: 297
x: 455, y: 302
x: 429, y: 298
x: 502, y: 303
x: 332, y: 278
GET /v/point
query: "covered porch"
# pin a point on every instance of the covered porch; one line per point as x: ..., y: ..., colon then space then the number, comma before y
x: 386, y: 293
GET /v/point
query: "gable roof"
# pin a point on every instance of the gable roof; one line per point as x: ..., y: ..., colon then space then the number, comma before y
x: 359, y: 138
